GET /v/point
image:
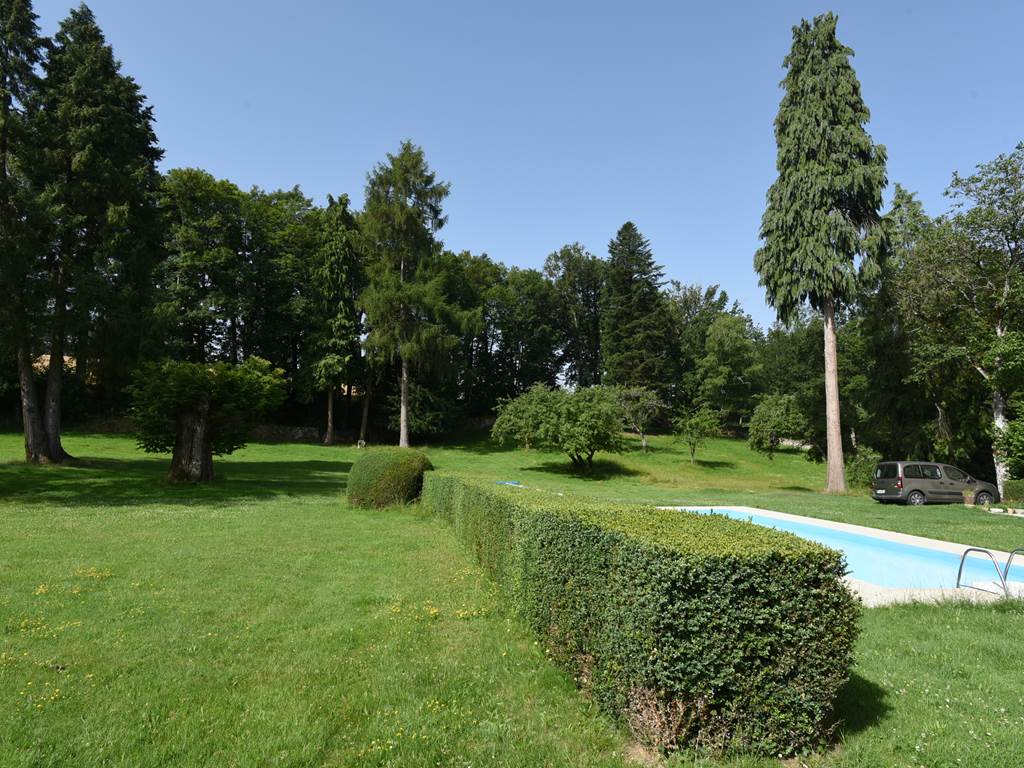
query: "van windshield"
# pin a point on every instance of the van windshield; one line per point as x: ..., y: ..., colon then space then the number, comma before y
x: 885, y: 472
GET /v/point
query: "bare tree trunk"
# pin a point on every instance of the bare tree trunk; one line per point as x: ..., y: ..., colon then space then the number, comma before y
x: 55, y: 381
x: 1000, y: 423
x: 643, y: 441
x: 36, y: 451
x: 403, y: 408
x: 192, y: 460
x: 365, y: 418
x: 833, y: 429
x: 329, y: 432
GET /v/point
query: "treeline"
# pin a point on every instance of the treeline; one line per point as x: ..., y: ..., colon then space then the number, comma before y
x: 379, y: 329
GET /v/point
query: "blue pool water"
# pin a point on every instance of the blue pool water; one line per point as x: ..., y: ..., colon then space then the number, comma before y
x: 887, y: 563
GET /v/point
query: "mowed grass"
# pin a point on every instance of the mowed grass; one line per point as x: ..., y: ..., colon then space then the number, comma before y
x: 727, y: 473
x: 260, y: 621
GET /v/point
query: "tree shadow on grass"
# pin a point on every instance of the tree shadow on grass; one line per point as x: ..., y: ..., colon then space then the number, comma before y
x: 603, y: 469
x: 797, y: 488
x: 128, y: 482
x: 861, y: 705
x: 715, y: 464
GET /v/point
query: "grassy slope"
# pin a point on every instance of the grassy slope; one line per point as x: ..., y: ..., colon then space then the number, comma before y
x: 259, y: 620
x: 728, y: 473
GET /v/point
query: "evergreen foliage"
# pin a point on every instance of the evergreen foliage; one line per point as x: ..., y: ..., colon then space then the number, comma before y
x: 823, y: 209
x: 383, y: 477
x: 636, y: 332
x: 762, y: 627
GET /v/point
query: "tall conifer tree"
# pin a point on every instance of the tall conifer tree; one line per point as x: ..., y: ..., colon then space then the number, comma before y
x: 404, y: 301
x: 20, y: 53
x: 636, y: 332
x: 95, y: 170
x: 823, y: 210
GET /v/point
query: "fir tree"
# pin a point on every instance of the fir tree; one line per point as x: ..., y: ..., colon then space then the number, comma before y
x: 405, y: 301
x: 95, y: 169
x: 636, y: 331
x: 823, y: 210
x: 20, y: 53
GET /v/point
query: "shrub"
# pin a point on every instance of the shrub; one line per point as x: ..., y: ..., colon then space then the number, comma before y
x: 1014, y: 490
x: 694, y: 629
x: 385, y: 476
x: 860, y: 466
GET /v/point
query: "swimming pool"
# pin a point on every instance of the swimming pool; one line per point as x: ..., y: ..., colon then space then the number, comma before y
x: 883, y: 562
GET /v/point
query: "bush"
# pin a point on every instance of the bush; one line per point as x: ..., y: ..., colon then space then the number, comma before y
x: 860, y: 467
x: 386, y: 476
x: 695, y: 629
x: 1014, y: 490
x: 776, y: 418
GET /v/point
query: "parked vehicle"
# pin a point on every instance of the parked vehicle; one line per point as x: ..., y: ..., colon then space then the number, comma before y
x: 927, y: 482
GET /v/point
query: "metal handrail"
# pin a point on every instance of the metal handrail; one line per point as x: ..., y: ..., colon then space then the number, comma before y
x: 995, y: 564
x: 1006, y: 568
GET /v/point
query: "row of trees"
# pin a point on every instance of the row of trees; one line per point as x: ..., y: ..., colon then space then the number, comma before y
x: 109, y: 265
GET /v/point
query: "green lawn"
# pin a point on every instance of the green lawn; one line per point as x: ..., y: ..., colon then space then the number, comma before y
x: 260, y: 621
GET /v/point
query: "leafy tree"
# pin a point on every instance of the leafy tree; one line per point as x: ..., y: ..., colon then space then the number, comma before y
x: 696, y: 427
x: 776, y: 418
x: 20, y: 309
x: 334, y: 283
x: 526, y: 329
x: 730, y: 372
x: 691, y: 310
x: 198, y: 411
x: 640, y: 408
x: 964, y: 286
x: 636, y: 331
x: 202, y: 277
x: 95, y: 167
x: 404, y: 301
x: 822, y: 211
x: 578, y: 277
x: 527, y: 420
x: 578, y: 423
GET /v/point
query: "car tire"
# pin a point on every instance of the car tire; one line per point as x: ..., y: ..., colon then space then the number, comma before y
x: 983, y: 498
x: 916, y: 499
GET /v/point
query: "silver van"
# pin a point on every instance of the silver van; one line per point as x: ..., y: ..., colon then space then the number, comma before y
x: 928, y: 482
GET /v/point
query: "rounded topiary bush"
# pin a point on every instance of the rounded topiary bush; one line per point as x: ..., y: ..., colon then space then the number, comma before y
x: 385, y: 476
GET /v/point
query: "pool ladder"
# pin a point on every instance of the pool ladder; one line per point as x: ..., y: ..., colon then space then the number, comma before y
x: 1003, y: 574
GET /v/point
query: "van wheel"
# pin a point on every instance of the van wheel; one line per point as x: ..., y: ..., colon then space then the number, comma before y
x: 983, y: 498
x: 916, y: 498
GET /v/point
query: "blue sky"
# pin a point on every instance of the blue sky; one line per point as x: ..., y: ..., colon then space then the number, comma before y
x: 558, y: 121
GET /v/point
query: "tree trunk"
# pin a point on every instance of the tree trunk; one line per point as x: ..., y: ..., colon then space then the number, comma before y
x: 364, y: 421
x: 643, y: 441
x: 55, y: 381
x: 833, y: 429
x: 192, y: 460
x: 329, y: 432
x: 346, y: 414
x: 403, y: 408
x: 36, y: 451
x: 999, y: 422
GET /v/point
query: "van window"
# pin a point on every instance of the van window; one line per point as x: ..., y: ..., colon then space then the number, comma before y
x: 931, y: 472
x: 912, y: 471
x: 955, y: 474
x: 885, y: 472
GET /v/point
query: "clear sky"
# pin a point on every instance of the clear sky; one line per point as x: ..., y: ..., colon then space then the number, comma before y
x: 558, y: 121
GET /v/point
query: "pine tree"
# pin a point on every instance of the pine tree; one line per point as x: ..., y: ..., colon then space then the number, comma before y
x: 823, y: 210
x: 20, y: 53
x: 404, y: 301
x: 636, y: 331
x: 95, y: 168
x: 578, y: 277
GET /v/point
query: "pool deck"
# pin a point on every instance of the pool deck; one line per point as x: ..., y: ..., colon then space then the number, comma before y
x: 874, y: 595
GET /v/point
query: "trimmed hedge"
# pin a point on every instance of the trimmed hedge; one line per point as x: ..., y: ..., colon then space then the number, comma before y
x: 698, y: 630
x: 386, y: 476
